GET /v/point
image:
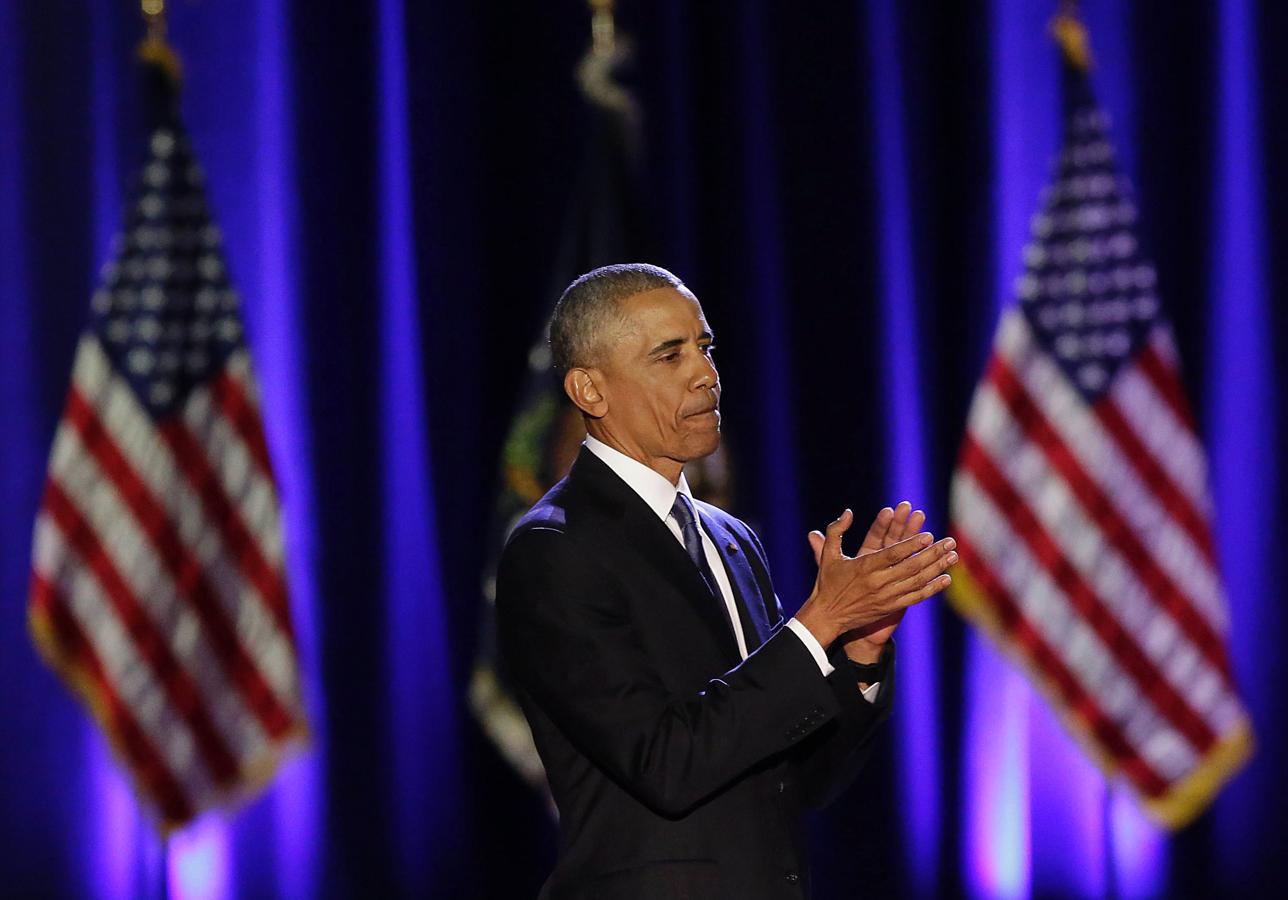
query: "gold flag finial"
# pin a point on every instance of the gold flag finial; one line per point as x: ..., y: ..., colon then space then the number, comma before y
x: 1071, y: 34
x: 154, y: 49
x: 597, y: 71
x: 602, y: 28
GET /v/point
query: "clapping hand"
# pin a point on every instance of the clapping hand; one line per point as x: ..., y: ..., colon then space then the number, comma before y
x: 861, y: 599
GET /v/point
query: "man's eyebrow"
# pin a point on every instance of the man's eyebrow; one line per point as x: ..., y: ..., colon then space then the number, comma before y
x: 666, y: 345
x: 678, y: 342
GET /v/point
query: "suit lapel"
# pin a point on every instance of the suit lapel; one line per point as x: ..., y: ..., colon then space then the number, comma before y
x: 644, y: 534
x: 755, y: 626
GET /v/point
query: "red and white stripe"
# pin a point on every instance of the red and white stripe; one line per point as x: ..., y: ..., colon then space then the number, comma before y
x: 1086, y: 526
x: 1151, y: 509
x: 158, y: 566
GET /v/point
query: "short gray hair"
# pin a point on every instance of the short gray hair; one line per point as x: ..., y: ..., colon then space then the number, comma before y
x: 588, y: 309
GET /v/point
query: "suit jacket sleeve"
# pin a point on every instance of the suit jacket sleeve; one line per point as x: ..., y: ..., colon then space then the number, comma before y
x: 832, y: 757
x: 828, y: 761
x: 570, y: 641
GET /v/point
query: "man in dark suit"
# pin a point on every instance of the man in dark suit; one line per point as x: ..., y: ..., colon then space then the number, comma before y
x: 683, y: 723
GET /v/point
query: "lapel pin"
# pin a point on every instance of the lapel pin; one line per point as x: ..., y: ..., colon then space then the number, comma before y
x: 731, y: 547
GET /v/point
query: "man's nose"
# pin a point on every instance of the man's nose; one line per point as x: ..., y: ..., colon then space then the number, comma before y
x: 707, y: 376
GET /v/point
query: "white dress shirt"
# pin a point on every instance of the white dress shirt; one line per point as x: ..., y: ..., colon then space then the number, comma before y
x: 659, y: 494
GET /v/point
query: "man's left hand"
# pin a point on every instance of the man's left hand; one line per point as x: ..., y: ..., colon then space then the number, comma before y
x: 889, y: 527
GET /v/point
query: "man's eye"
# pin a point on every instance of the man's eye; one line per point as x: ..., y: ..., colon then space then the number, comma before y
x: 709, y: 348
x: 669, y: 357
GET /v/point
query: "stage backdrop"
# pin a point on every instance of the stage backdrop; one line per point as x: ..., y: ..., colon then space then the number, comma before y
x: 847, y: 188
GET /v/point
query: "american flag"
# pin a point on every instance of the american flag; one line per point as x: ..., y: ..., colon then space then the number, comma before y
x: 1081, y: 501
x: 157, y: 585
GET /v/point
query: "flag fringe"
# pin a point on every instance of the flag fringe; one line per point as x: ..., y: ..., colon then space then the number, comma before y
x: 1184, y: 800
x: 249, y: 780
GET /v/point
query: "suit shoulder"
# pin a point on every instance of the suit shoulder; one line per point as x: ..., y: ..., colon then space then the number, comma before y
x: 548, y: 516
x: 545, y: 561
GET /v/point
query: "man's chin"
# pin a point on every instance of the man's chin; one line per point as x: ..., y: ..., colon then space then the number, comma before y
x: 703, y: 444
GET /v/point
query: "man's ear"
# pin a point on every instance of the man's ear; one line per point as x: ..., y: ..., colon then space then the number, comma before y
x: 582, y: 387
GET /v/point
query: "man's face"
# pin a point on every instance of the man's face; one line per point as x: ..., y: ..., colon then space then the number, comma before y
x: 661, y: 385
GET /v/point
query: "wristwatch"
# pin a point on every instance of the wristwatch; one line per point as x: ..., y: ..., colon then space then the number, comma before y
x: 867, y: 673
x: 871, y: 673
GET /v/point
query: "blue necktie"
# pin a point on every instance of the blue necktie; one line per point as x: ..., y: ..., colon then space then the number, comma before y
x: 683, y: 512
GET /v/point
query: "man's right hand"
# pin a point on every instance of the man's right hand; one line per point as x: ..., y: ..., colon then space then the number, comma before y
x: 852, y: 592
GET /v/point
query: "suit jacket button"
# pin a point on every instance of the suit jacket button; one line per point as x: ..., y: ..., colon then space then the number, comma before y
x: 792, y: 878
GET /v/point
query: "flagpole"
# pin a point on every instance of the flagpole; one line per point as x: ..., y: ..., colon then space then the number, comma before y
x: 1107, y: 829
x: 165, y: 865
x: 1069, y: 31
x: 155, y: 50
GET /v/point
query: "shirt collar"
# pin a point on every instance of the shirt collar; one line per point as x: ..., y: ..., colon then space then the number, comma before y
x: 652, y: 488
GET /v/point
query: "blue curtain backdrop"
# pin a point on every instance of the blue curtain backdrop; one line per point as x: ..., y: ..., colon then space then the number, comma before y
x: 846, y: 186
